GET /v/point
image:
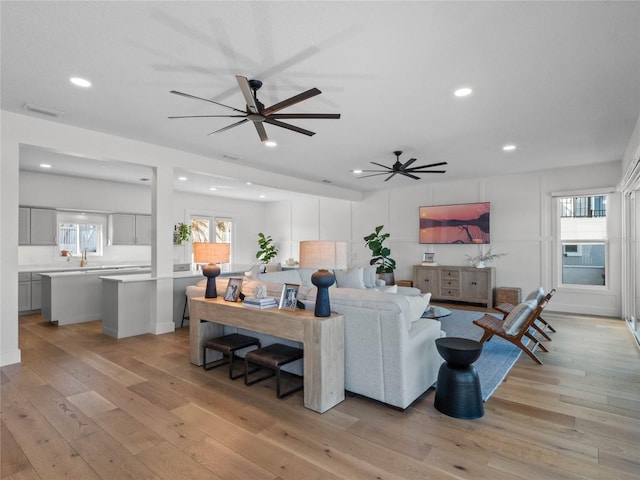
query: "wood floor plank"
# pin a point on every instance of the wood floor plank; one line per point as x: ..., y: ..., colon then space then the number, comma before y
x: 12, y: 458
x: 170, y: 463
x: 133, y: 435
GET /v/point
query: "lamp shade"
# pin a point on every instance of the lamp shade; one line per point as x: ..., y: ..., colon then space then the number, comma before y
x: 211, y: 252
x: 323, y: 255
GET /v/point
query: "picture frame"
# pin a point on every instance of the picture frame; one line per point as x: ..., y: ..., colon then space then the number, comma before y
x: 232, y: 293
x: 289, y: 296
x: 428, y: 257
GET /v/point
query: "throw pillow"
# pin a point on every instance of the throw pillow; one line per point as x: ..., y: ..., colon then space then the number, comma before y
x: 417, y: 305
x: 369, y: 277
x: 349, y: 278
x: 536, y: 295
x: 517, y: 317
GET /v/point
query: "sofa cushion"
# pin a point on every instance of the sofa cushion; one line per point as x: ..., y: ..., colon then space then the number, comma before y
x: 283, y: 276
x: 352, y: 278
x: 388, y: 289
x: 517, y: 317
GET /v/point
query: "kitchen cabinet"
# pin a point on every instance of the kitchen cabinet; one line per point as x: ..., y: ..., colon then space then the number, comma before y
x: 130, y: 229
x: 461, y: 284
x: 29, y: 292
x: 37, y: 226
x: 24, y: 225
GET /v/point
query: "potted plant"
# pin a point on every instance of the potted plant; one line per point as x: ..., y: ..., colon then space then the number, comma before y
x: 480, y: 261
x: 268, y: 250
x: 181, y: 233
x: 380, y: 253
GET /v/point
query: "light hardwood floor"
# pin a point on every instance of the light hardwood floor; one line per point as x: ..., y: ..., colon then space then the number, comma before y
x: 86, y: 406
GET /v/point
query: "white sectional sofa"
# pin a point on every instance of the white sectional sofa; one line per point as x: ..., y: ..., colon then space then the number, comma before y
x: 390, y: 351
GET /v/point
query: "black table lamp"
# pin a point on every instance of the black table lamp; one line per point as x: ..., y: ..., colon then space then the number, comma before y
x: 211, y: 253
x: 324, y: 256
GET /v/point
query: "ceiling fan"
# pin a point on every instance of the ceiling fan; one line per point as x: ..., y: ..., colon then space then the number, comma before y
x: 258, y: 114
x: 403, y: 169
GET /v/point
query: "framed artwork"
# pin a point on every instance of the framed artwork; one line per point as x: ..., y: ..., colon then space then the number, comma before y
x: 461, y: 223
x: 289, y: 296
x: 232, y: 292
x: 428, y: 257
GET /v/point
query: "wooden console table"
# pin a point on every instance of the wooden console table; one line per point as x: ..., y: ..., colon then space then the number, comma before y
x: 322, y: 339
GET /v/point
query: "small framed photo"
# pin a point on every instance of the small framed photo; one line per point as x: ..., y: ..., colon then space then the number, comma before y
x: 289, y: 296
x: 232, y: 292
x: 428, y: 257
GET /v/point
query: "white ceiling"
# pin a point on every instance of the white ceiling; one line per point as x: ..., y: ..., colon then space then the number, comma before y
x: 561, y: 80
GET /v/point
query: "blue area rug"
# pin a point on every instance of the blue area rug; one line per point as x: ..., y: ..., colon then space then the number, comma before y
x: 498, y: 356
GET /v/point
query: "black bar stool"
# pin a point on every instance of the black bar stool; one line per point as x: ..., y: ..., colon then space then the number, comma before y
x: 227, y: 345
x: 272, y: 357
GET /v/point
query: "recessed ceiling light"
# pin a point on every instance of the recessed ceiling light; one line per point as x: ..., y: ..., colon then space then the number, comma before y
x: 213, y: 189
x: 357, y: 171
x: 80, y: 82
x: 248, y: 183
x: 509, y: 148
x: 463, y: 92
x: 45, y: 165
x: 263, y: 196
x: 270, y: 143
x: 182, y: 179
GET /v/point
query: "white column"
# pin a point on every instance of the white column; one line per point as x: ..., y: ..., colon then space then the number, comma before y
x: 9, y: 167
x: 162, y: 251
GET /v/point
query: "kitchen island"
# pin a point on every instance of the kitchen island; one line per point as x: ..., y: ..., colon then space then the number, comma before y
x: 76, y: 296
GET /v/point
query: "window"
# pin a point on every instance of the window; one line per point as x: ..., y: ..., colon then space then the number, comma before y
x: 217, y: 229
x: 583, y: 239
x: 78, y: 233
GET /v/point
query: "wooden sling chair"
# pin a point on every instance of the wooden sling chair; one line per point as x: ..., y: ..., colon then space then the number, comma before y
x: 540, y: 324
x: 515, y: 328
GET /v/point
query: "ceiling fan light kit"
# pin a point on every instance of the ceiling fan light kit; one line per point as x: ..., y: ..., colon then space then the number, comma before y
x: 402, y: 169
x: 257, y: 113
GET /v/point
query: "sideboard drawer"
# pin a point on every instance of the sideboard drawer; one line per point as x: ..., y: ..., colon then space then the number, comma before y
x: 449, y: 283
x: 447, y: 274
x: 450, y: 292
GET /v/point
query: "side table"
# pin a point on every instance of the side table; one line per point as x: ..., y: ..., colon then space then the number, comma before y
x: 458, y: 392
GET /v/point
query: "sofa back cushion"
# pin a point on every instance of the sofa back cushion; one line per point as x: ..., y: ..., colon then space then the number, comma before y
x: 352, y: 278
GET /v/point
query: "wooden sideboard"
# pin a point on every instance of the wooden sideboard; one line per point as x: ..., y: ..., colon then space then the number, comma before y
x: 322, y: 339
x: 461, y: 284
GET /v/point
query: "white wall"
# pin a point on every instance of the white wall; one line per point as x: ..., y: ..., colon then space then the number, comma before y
x: 521, y: 227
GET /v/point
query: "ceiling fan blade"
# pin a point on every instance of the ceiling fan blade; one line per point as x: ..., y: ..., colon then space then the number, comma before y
x: 247, y: 94
x: 288, y: 126
x: 374, y: 174
x: 427, y: 171
x: 331, y: 116
x: 208, y: 116
x: 383, y: 166
x: 291, y: 101
x: 175, y: 92
x: 262, y: 133
x: 409, y: 162
x: 410, y: 176
x: 390, y: 177
x: 384, y: 171
x: 428, y: 166
x: 229, y: 126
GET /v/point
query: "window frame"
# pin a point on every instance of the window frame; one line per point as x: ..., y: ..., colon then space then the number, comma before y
x: 558, y: 250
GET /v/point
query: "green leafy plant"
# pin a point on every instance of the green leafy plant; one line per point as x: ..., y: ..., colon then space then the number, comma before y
x: 483, y: 258
x: 181, y: 233
x: 380, y: 253
x: 268, y: 250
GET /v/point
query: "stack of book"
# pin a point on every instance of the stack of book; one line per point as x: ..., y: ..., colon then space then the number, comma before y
x: 266, y: 302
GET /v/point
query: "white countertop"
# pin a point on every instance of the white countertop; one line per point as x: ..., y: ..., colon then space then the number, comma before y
x: 64, y: 267
x: 94, y: 271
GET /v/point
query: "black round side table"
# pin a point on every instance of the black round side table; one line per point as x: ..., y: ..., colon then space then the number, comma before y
x: 458, y: 391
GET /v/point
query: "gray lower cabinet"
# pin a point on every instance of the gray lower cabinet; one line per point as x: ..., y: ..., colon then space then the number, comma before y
x: 461, y: 284
x: 130, y: 229
x: 29, y: 292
